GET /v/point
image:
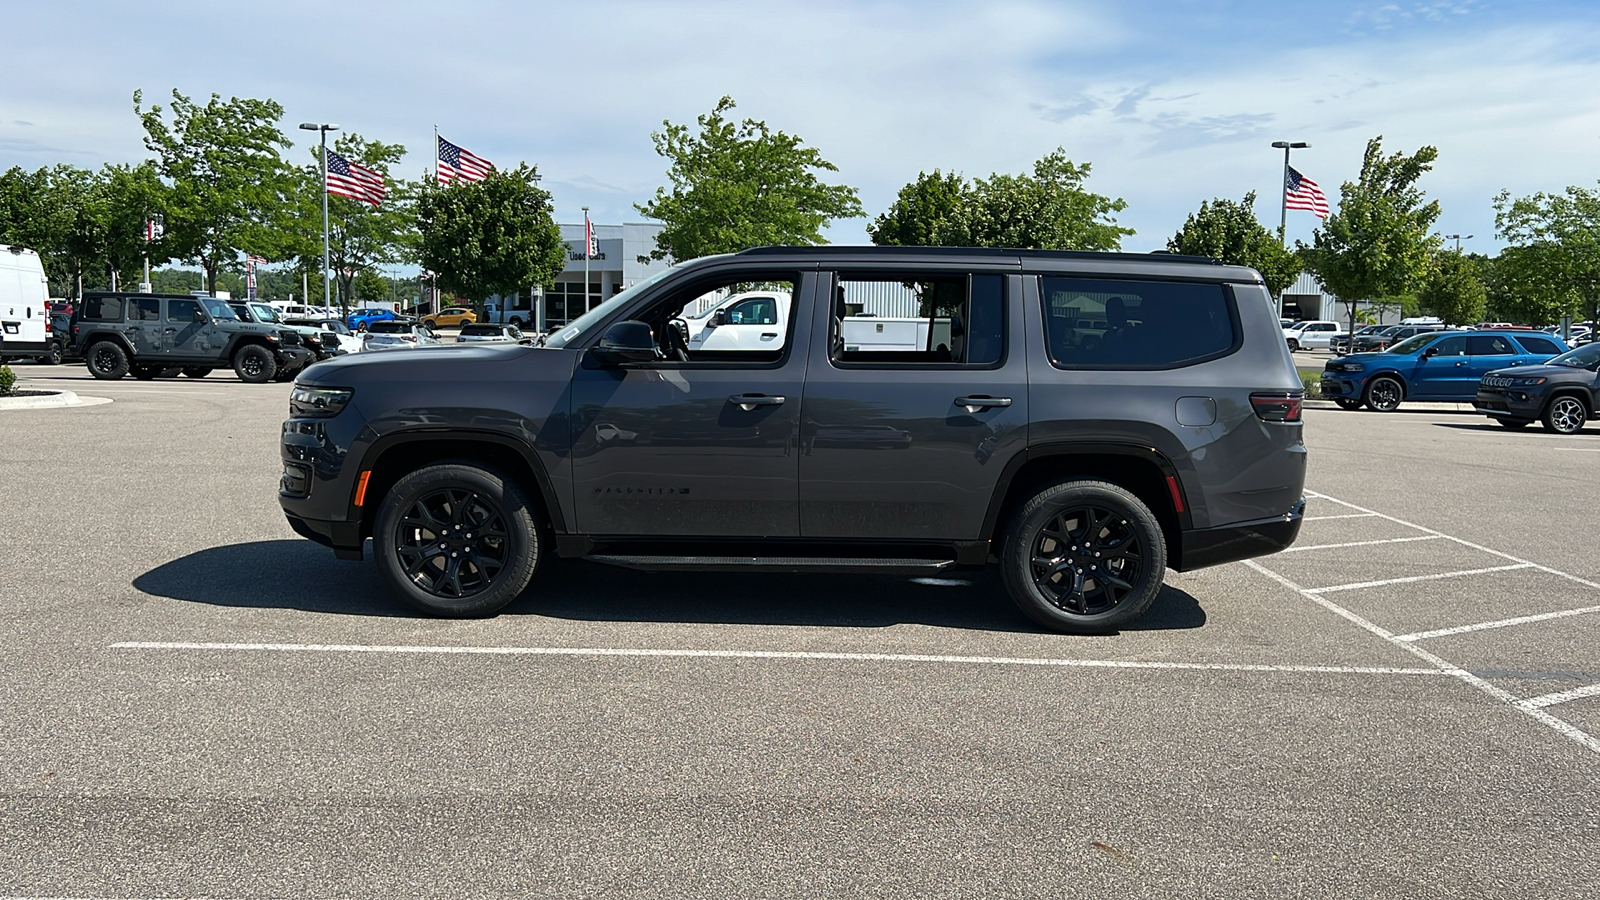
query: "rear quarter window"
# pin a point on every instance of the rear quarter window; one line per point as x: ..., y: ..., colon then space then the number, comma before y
x: 1105, y: 324
x: 1538, y: 345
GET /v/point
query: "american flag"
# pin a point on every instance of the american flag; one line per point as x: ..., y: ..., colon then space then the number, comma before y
x: 1300, y: 192
x: 353, y: 180
x: 154, y: 229
x: 456, y: 163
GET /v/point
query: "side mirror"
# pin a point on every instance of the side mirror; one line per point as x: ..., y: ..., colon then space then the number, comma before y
x: 627, y: 342
x: 1431, y: 352
x: 718, y: 319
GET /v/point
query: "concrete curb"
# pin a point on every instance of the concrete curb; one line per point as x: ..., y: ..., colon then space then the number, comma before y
x: 51, y: 400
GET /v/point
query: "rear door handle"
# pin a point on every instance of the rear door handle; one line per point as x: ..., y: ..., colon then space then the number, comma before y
x: 973, y: 404
x: 748, y: 402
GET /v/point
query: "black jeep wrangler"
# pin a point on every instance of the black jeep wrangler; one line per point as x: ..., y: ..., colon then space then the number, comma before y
x: 1084, y: 421
x: 151, y: 334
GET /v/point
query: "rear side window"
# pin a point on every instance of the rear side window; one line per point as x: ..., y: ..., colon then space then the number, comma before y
x: 918, y: 319
x: 1537, y: 345
x: 1102, y: 324
x: 144, y: 309
x: 1489, y: 345
x: 103, y: 309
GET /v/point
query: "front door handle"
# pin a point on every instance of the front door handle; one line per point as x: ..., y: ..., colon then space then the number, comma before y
x: 748, y: 402
x: 973, y: 404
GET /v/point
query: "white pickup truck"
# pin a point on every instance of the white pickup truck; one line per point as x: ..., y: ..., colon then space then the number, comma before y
x: 1318, y: 334
x: 758, y: 319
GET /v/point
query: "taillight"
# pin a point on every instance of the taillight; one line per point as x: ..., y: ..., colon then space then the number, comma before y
x: 1283, y: 407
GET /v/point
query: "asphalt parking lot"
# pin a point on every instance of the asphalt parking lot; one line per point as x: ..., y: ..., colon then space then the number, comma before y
x: 196, y: 703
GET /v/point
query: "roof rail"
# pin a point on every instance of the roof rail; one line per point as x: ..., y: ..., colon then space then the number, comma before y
x: 867, y: 249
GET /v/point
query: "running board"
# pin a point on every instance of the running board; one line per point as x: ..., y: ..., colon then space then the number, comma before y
x: 792, y: 564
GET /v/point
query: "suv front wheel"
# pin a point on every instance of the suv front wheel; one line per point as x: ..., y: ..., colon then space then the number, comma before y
x: 457, y: 539
x: 1083, y: 557
x: 254, y: 364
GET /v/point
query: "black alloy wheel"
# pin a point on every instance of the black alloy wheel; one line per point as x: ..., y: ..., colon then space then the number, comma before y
x: 1347, y: 403
x: 1084, y: 556
x: 52, y: 357
x: 457, y: 539
x: 254, y: 364
x: 1384, y: 394
x: 1565, y: 415
x: 107, y: 360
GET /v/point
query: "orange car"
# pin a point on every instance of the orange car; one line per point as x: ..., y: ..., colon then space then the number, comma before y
x: 455, y: 315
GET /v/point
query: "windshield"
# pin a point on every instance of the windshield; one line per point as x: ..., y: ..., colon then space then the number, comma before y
x: 1585, y: 357
x: 583, y: 323
x: 1414, y: 343
x: 218, y: 309
x: 265, y: 313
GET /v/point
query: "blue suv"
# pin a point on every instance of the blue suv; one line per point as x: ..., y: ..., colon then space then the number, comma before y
x: 1441, y: 365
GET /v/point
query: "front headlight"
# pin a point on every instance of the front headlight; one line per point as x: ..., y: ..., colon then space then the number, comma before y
x: 318, y: 402
x: 1527, y: 382
x: 1351, y: 367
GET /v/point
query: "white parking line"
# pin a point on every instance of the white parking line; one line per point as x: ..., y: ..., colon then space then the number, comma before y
x: 1592, y: 690
x: 1448, y: 668
x: 1412, y: 578
x: 1405, y: 540
x: 1366, y: 515
x: 1500, y: 623
x: 765, y: 654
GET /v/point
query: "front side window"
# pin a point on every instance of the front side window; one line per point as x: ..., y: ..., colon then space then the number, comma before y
x: 219, y: 309
x: 1095, y: 324
x: 183, y: 310
x: 1452, y: 346
x: 915, y: 319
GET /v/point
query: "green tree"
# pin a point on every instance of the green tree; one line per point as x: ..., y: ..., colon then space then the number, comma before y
x: 1526, y: 284
x: 928, y: 212
x: 361, y: 237
x: 1454, y: 291
x: 1566, y: 229
x: 1380, y: 242
x: 1049, y: 210
x: 1229, y: 231
x: 230, y: 187
x: 740, y: 185
x: 495, y: 236
x: 369, y: 285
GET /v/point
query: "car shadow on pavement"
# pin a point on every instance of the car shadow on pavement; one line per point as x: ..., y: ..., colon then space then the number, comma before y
x: 296, y: 574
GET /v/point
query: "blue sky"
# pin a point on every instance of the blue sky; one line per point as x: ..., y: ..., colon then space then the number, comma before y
x: 1173, y: 102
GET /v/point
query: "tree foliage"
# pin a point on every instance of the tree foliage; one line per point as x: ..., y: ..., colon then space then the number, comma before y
x: 1454, y: 291
x: 1229, y: 231
x: 1049, y: 209
x: 1562, y: 233
x: 495, y: 236
x: 736, y: 185
x: 229, y: 184
x: 361, y: 237
x: 1526, y: 284
x: 84, y: 224
x: 1380, y: 241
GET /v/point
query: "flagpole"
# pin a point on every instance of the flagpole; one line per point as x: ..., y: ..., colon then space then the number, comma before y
x: 585, y: 259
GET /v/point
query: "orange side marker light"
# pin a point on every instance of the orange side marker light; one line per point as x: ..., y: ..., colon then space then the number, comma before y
x: 361, y: 487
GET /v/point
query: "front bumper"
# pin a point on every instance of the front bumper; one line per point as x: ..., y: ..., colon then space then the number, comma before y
x: 1508, y: 403
x: 1335, y: 386
x: 293, y: 359
x: 1202, y: 547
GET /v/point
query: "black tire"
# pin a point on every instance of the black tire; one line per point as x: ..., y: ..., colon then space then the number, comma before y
x: 1294, y: 345
x: 1565, y: 414
x: 1513, y: 424
x: 145, y: 373
x: 1061, y: 543
x: 516, y: 322
x: 196, y: 371
x: 169, y: 372
x: 427, y: 323
x: 1383, y: 394
x: 106, y: 359
x: 1347, y: 403
x: 433, y: 511
x: 254, y: 364
x: 52, y: 357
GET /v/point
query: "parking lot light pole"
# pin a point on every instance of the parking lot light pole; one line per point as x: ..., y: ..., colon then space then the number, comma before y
x: 327, y: 275
x: 1283, y: 187
x: 1458, y: 238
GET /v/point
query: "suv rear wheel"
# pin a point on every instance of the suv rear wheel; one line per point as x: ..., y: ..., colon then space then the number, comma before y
x: 107, y: 360
x: 254, y: 364
x: 1083, y: 557
x: 457, y: 539
x: 1565, y: 415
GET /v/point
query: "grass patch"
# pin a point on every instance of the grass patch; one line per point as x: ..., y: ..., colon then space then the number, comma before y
x: 1312, y: 379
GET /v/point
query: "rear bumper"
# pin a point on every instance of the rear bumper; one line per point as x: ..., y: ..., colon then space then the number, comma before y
x: 1202, y: 547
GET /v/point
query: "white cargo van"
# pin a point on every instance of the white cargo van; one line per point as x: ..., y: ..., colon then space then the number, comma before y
x: 24, y: 304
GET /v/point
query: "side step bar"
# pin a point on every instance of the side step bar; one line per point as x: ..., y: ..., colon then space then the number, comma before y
x: 792, y: 564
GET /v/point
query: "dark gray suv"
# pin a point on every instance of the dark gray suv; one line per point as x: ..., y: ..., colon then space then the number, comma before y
x: 1084, y: 421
